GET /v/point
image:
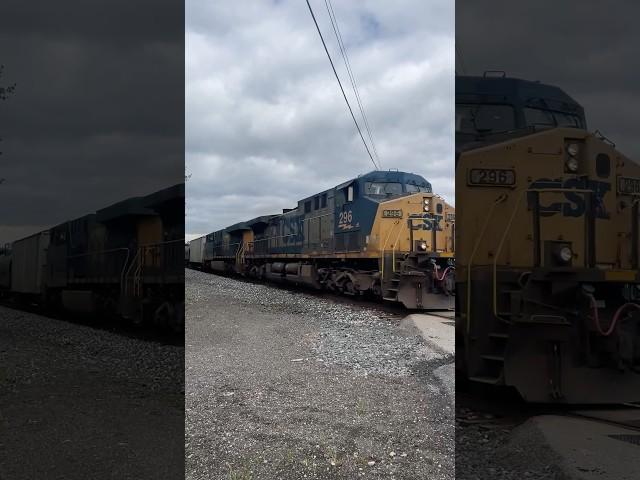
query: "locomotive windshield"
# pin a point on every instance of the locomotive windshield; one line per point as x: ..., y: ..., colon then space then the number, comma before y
x: 488, y: 118
x: 484, y: 118
x: 392, y: 188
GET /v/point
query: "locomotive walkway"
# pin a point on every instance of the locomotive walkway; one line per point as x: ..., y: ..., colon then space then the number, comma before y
x: 283, y: 384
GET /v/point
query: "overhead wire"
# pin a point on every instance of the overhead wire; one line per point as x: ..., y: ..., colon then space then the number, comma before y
x: 340, y: 85
x: 354, y: 83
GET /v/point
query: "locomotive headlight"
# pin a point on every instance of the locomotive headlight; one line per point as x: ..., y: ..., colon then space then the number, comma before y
x: 573, y: 149
x: 572, y: 164
x: 565, y: 254
x: 427, y: 204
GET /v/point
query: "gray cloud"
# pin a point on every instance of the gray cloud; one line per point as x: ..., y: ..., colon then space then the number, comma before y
x: 265, y: 121
x: 587, y: 48
x: 98, y: 111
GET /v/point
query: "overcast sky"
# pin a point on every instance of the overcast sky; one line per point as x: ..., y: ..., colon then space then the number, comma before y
x: 266, y: 124
x: 97, y: 114
x: 586, y: 47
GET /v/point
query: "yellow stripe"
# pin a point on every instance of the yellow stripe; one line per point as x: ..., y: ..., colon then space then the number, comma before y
x: 620, y: 275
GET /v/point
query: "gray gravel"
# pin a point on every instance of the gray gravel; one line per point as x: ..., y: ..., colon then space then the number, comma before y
x: 287, y: 385
x: 488, y: 448
x: 79, y: 402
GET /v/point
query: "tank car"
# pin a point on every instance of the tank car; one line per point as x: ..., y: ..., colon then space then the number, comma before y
x: 384, y: 233
x: 548, y: 289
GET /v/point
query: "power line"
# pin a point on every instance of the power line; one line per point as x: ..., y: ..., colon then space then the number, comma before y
x: 459, y: 53
x: 341, y: 89
x: 347, y: 63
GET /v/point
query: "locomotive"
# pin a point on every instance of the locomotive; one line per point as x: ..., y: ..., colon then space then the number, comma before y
x: 548, y: 284
x: 123, y: 260
x: 384, y: 234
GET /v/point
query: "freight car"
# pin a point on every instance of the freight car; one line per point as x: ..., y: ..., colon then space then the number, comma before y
x: 548, y: 256
x: 123, y: 260
x: 384, y: 233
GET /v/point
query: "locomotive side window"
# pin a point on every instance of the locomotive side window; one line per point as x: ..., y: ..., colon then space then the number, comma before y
x: 484, y: 118
x: 316, y: 203
x: 307, y: 206
x: 323, y: 200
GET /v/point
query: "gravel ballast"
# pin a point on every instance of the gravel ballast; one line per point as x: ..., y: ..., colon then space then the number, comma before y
x: 283, y: 384
x: 78, y: 402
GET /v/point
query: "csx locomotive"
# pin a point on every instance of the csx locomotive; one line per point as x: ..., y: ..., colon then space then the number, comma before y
x: 124, y: 260
x: 383, y: 233
x: 548, y: 289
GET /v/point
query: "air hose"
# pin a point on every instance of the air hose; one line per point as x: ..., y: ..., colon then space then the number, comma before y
x: 616, y: 316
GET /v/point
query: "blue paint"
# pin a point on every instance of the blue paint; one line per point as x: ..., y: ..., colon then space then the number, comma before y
x: 574, y: 204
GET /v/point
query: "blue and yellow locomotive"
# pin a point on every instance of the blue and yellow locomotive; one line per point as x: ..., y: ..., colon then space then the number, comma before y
x: 383, y: 233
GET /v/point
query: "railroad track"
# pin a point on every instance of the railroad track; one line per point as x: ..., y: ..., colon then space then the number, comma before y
x: 625, y: 416
x: 363, y: 300
x: 503, y: 410
x: 119, y: 326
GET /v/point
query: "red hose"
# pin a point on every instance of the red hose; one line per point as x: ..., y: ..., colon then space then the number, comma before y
x: 444, y: 274
x: 616, y: 316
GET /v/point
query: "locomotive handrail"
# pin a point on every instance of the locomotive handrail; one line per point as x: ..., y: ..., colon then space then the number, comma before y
x: 500, y: 199
x: 393, y: 250
x: 384, y: 245
x: 112, y: 250
x: 508, y: 228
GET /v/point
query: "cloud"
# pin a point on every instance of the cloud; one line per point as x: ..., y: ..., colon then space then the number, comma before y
x: 98, y: 111
x: 266, y: 124
x: 585, y: 49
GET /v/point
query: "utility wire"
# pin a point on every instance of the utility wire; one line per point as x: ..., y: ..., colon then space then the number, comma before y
x: 459, y: 53
x: 354, y: 83
x: 341, y: 89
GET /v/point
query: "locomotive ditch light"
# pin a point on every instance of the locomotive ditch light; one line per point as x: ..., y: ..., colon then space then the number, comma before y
x: 565, y: 254
x: 573, y: 149
x: 572, y: 164
x: 422, y: 246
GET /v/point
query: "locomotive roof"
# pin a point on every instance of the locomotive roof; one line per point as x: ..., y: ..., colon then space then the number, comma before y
x: 514, y: 91
x: 389, y: 176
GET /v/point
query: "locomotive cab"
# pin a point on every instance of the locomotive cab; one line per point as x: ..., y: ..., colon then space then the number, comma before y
x: 491, y: 109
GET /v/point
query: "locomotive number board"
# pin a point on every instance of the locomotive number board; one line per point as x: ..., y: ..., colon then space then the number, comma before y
x: 392, y: 214
x: 492, y: 177
x: 628, y: 186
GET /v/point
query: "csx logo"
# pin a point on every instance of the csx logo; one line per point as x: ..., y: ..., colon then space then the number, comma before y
x: 429, y: 222
x: 575, y: 203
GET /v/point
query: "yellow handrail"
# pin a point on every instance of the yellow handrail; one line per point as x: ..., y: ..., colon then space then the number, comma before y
x: 393, y: 251
x: 384, y: 245
x: 498, y: 200
x: 506, y: 231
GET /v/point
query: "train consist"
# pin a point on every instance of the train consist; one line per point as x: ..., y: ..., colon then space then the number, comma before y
x: 124, y: 260
x: 548, y: 284
x: 384, y: 234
